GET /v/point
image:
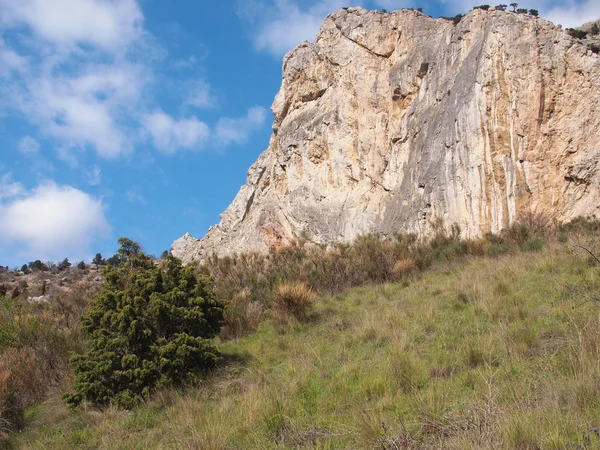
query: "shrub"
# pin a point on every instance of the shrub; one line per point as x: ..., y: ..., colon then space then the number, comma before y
x: 533, y: 12
x: 533, y: 245
x: 404, y: 267
x: 577, y: 34
x: 149, y: 326
x: 517, y: 233
x: 292, y: 302
x: 33, y: 358
x: 594, y: 48
x: 22, y: 384
x: 595, y: 30
x: 242, y: 315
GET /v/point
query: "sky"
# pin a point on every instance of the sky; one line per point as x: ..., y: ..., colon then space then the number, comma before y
x: 140, y: 118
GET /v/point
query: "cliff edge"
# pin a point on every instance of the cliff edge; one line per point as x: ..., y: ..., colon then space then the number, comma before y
x: 393, y: 122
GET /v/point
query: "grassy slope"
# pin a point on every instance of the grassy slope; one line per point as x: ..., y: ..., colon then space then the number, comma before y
x: 483, y: 353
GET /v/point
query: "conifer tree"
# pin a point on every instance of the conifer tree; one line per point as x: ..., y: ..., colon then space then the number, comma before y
x: 149, y: 326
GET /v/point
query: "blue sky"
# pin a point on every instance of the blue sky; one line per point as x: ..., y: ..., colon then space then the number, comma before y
x: 140, y: 118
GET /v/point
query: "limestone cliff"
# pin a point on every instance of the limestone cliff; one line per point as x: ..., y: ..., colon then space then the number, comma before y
x: 392, y: 122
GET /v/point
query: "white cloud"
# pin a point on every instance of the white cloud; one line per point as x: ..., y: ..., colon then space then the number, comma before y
x: 237, y: 131
x: 51, y: 222
x: 200, y: 95
x: 9, y: 189
x: 287, y: 24
x: 572, y: 14
x: 168, y: 135
x: 108, y: 24
x: 85, y: 109
x: 77, y: 81
x: 28, y: 146
x: 10, y: 61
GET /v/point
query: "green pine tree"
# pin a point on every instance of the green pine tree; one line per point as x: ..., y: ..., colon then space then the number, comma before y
x: 149, y: 326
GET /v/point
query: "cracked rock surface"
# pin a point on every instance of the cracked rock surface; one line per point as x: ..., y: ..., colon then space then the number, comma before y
x: 393, y: 122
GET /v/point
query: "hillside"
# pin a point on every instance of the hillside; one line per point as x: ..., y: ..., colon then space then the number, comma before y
x: 395, y: 122
x: 478, y: 352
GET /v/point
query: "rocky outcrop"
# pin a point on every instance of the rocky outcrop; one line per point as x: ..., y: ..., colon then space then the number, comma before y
x: 396, y: 122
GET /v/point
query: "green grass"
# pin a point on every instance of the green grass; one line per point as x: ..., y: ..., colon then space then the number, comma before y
x: 478, y: 353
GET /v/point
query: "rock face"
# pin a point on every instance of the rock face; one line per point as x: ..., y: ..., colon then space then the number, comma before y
x: 396, y: 122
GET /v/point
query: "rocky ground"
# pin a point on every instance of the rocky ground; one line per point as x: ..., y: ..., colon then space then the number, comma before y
x: 38, y: 286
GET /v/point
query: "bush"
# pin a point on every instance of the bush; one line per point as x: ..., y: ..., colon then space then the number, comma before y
x: 533, y: 245
x: 292, y: 302
x: 517, y: 233
x: 577, y: 34
x: 33, y: 358
x: 149, y: 326
x: 242, y: 315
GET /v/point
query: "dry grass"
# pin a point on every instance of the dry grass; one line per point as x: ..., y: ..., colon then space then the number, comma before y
x: 292, y: 302
x: 478, y: 352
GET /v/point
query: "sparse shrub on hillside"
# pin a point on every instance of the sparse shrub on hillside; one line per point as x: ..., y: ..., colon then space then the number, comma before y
x: 242, y: 315
x: 577, y: 34
x: 38, y: 265
x: 292, y: 302
x: 533, y: 245
x: 33, y: 358
x: 501, y: 7
x: 404, y: 267
x: 22, y: 383
x: 455, y: 20
x: 517, y: 233
x: 98, y: 260
x: 595, y: 30
x: 594, y: 48
x: 149, y: 326
x: 521, y: 11
x: 64, y: 264
x: 533, y: 12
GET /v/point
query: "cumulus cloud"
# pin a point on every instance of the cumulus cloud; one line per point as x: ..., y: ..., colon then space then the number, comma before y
x: 571, y: 13
x: 10, y: 61
x: 51, y: 222
x: 280, y: 27
x: 237, y: 131
x: 168, y: 135
x: 108, y: 24
x: 76, y: 81
x: 8, y: 188
x: 84, y: 109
